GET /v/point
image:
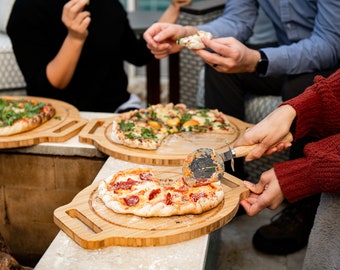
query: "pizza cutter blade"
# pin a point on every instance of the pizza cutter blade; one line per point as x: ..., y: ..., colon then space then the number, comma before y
x: 202, y: 165
x: 206, y: 165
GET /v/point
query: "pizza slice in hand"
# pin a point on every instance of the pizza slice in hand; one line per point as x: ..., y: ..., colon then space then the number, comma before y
x: 194, y: 42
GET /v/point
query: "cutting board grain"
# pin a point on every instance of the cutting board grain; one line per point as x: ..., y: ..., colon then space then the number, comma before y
x: 65, y: 124
x: 93, y: 226
x: 173, y: 149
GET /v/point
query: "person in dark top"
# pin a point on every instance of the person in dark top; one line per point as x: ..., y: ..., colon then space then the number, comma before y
x: 74, y: 50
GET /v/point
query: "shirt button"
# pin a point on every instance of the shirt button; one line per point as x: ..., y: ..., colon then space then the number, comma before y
x: 288, y: 25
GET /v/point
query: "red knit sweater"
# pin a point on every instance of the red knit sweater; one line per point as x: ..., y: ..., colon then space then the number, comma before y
x: 318, y: 114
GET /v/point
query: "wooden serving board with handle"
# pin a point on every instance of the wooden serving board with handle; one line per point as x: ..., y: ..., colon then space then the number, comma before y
x: 65, y: 124
x: 173, y: 149
x: 93, y: 226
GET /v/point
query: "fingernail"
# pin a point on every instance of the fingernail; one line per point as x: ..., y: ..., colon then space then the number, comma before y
x: 248, y: 184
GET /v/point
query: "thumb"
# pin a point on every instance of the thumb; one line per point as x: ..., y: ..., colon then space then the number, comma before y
x: 255, y: 188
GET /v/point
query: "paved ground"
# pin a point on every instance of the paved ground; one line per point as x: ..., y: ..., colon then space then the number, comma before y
x: 231, y: 247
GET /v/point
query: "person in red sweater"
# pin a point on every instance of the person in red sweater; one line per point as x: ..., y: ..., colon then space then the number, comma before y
x: 315, y: 112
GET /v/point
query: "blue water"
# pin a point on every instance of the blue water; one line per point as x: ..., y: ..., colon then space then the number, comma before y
x: 159, y: 5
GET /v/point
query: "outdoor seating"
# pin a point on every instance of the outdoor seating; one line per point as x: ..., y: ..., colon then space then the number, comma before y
x: 11, y: 80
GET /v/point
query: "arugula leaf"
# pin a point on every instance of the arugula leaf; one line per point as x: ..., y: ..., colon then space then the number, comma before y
x: 13, y: 110
x: 186, y: 117
x: 126, y: 126
x: 203, y: 112
x: 207, y: 122
x: 147, y: 134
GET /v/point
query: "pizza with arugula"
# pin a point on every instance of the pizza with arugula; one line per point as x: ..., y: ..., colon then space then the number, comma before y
x: 18, y: 115
x: 147, y: 128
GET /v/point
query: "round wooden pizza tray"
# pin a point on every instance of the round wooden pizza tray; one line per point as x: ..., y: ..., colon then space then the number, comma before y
x: 65, y: 124
x: 172, y: 150
x: 92, y: 226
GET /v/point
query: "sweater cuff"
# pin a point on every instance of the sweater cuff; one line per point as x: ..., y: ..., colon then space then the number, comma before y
x: 292, y: 177
x: 307, y: 109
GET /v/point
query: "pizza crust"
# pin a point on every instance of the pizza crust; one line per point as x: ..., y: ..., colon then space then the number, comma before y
x: 194, y: 42
x: 117, y: 136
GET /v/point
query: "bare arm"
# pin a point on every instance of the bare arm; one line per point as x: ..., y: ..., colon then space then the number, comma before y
x: 171, y: 14
x: 61, y: 69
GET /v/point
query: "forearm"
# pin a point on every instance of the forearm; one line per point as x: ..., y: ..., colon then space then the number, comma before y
x: 229, y: 24
x: 318, y: 108
x: 317, y: 50
x: 60, y: 70
x: 170, y: 15
x: 318, y: 171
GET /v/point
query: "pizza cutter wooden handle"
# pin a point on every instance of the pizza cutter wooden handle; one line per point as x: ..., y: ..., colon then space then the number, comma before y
x: 241, y: 151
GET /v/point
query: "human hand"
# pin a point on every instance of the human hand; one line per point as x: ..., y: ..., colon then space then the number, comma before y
x: 270, y: 134
x: 230, y: 55
x: 180, y: 3
x: 161, y: 38
x: 76, y: 19
x: 266, y: 193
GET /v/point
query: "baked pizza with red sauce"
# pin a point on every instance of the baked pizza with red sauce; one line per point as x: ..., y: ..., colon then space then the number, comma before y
x: 139, y: 192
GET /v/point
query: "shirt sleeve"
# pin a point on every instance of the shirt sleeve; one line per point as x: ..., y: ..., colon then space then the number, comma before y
x: 320, y: 50
x: 134, y: 48
x: 318, y: 171
x: 318, y: 114
x: 229, y: 23
x: 317, y: 108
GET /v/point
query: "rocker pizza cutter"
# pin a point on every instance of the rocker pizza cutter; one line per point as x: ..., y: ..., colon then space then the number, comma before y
x: 205, y: 164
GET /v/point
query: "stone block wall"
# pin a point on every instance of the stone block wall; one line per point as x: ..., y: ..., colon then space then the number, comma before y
x: 31, y: 188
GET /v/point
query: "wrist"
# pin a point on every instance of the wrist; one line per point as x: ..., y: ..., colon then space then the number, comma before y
x: 174, y: 5
x: 190, y: 30
x: 288, y: 113
x: 262, y: 64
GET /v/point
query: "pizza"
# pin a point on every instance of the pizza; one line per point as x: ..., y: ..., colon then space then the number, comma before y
x: 194, y: 42
x: 147, y: 128
x: 18, y: 115
x: 139, y: 192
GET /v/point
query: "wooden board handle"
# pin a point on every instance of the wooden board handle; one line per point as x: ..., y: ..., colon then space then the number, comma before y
x: 89, y: 133
x: 85, y: 228
x: 69, y: 127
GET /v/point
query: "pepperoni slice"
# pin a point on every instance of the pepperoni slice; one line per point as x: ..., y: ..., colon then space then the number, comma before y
x: 168, y: 199
x: 154, y: 193
x: 145, y: 176
x: 132, y: 200
x: 195, y: 197
x: 123, y: 185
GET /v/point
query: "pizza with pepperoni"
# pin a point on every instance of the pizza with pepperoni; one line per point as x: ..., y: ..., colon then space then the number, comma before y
x: 139, y: 192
